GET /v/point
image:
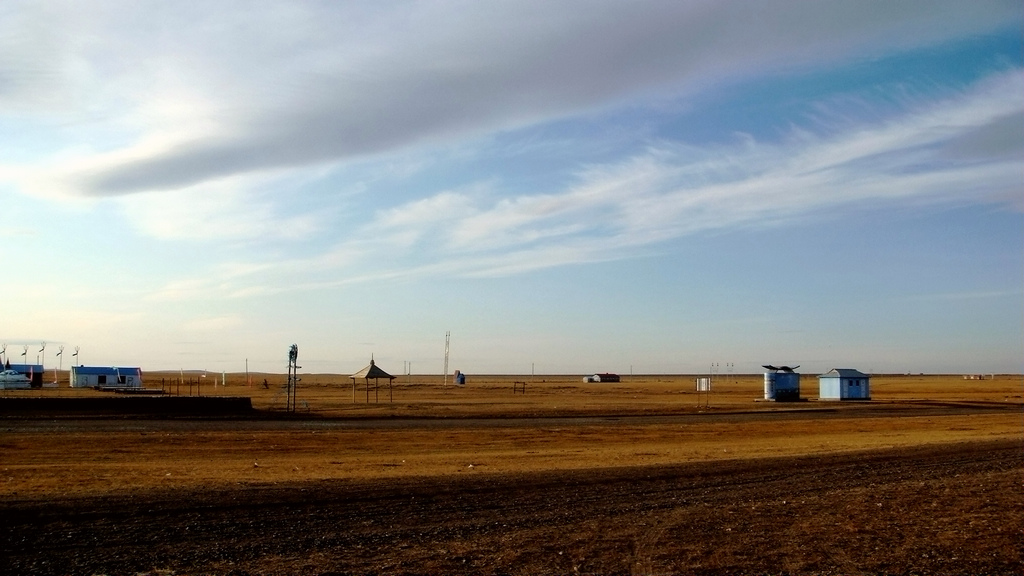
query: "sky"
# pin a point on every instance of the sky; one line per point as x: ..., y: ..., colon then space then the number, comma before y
x: 646, y: 187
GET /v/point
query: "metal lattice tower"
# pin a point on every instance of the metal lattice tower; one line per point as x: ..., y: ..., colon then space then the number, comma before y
x: 293, y: 375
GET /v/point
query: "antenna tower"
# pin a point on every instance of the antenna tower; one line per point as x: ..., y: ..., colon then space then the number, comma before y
x: 293, y: 375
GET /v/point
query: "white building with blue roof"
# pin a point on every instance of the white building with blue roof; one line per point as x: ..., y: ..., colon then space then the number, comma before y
x: 844, y: 384
x: 105, y: 377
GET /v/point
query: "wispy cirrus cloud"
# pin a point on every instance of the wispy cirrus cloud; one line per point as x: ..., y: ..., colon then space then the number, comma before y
x: 673, y: 190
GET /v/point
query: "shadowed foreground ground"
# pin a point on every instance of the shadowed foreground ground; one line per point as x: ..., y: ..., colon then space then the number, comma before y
x: 937, y: 509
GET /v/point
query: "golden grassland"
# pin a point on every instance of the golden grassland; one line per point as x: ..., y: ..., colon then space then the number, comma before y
x: 493, y: 395
x: 432, y: 429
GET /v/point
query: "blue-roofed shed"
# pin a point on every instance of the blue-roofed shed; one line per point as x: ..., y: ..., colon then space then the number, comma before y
x: 844, y: 384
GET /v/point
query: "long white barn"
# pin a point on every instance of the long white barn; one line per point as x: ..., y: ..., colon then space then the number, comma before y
x: 105, y: 377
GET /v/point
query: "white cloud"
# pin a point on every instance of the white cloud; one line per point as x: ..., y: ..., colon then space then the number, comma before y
x: 620, y: 209
x: 438, y: 210
x: 222, y: 116
x: 230, y: 209
x: 200, y: 92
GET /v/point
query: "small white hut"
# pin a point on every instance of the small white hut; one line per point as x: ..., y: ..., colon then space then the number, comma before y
x: 844, y: 384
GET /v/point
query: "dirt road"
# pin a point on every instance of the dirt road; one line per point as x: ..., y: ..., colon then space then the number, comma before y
x: 938, y: 509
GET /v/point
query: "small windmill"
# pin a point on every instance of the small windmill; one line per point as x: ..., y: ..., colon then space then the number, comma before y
x: 60, y: 355
x: 42, y: 351
x: 3, y: 352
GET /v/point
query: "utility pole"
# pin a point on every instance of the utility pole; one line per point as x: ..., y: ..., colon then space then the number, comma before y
x: 447, y: 338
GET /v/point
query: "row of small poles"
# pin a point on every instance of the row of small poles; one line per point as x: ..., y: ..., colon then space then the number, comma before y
x: 706, y: 383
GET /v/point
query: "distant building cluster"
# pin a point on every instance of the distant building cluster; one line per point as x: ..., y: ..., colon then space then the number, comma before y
x: 16, y: 376
x: 602, y: 377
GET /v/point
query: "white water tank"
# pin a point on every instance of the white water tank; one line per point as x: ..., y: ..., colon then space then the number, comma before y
x: 781, y: 386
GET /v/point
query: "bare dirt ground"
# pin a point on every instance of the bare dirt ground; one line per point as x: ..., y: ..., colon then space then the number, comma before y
x: 640, y: 477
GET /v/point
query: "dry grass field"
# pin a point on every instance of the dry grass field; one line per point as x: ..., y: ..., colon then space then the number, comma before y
x: 641, y: 476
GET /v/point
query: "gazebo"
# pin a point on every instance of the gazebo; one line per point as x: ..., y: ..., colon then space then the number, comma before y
x: 372, y: 372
